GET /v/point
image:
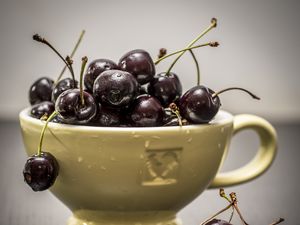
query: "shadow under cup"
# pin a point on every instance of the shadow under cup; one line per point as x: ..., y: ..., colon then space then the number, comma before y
x: 109, y: 171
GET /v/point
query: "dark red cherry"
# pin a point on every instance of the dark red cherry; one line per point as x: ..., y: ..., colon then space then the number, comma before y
x: 115, y: 88
x: 217, y: 222
x: 44, y: 108
x: 41, y: 90
x: 63, y: 85
x: 140, y: 64
x: 198, y: 105
x: 95, y: 68
x: 108, y: 117
x: 70, y: 107
x: 166, y: 88
x: 40, y: 172
x: 146, y: 111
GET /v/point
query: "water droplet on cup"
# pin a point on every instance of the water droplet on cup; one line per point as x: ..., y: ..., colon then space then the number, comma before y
x: 156, y: 137
x: 147, y: 144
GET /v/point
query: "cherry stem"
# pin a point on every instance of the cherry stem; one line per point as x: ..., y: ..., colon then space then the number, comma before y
x: 231, y: 215
x: 235, y: 88
x: 72, y: 55
x: 162, y: 52
x: 174, y: 109
x: 278, y: 221
x: 38, y: 38
x: 211, y: 44
x: 84, y: 61
x: 234, y: 201
x: 223, y: 195
x: 70, y: 62
x: 218, y: 213
x: 212, y: 25
x: 43, y: 131
x: 197, y: 66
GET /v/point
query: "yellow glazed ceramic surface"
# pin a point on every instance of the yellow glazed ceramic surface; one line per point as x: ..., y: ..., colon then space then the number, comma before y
x: 143, y: 175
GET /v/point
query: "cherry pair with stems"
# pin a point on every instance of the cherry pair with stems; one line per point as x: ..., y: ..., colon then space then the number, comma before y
x: 233, y: 203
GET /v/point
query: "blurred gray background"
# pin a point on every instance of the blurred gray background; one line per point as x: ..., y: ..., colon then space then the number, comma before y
x: 259, y: 48
x: 259, y: 51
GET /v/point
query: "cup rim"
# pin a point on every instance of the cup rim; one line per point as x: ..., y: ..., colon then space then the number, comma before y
x: 222, y: 117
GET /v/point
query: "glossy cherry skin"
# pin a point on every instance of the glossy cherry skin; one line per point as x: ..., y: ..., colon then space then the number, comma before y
x: 40, y: 172
x: 41, y: 109
x: 57, y: 119
x: 41, y: 90
x: 139, y: 63
x: 166, y: 88
x: 95, y: 68
x: 115, y: 88
x: 217, y: 222
x: 146, y: 111
x: 71, y: 110
x: 143, y: 89
x: 197, y: 105
x: 107, y: 117
x: 63, y: 85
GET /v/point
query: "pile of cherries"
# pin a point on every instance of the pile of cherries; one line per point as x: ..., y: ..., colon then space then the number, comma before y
x: 124, y: 94
x: 128, y: 93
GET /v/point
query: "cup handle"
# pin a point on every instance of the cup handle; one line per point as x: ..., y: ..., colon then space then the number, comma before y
x: 263, y: 158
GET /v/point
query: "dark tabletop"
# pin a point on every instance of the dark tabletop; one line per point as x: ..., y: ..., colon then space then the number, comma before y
x: 273, y: 195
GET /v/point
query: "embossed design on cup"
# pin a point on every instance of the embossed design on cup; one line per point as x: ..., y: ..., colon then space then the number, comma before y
x: 161, y: 166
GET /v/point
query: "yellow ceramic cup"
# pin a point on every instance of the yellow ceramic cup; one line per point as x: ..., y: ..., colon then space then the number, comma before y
x: 113, y: 175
